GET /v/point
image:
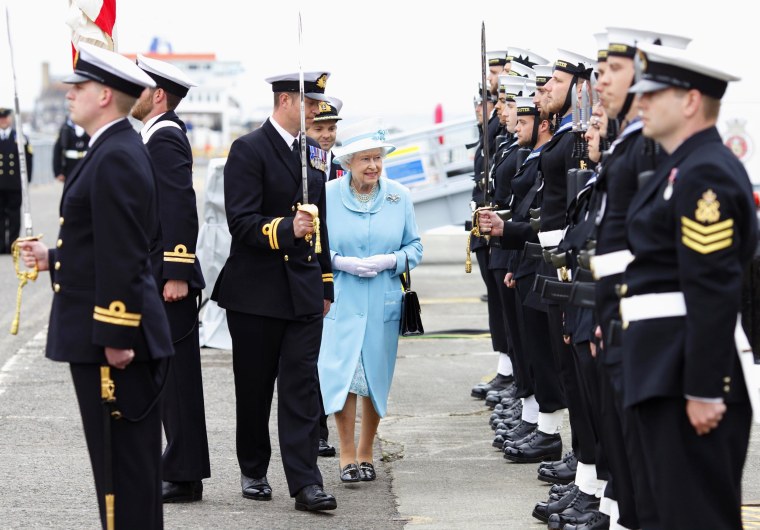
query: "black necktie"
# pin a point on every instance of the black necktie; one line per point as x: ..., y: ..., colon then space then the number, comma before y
x: 297, y: 151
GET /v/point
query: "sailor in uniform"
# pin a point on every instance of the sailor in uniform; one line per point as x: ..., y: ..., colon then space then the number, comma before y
x: 179, y: 279
x: 324, y: 130
x: 692, y: 229
x: 10, y: 185
x: 276, y: 289
x: 106, y: 313
x: 70, y: 147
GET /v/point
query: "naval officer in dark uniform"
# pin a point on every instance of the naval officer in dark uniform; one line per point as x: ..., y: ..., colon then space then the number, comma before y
x: 692, y: 229
x: 106, y: 309
x: 179, y: 278
x: 70, y: 147
x: 276, y: 289
x: 324, y: 130
x: 10, y: 185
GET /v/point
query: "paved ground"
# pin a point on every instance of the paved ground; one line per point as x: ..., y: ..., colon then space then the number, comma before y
x: 438, y: 468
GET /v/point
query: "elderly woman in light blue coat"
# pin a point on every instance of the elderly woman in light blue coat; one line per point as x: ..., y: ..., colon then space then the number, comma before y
x: 372, y: 235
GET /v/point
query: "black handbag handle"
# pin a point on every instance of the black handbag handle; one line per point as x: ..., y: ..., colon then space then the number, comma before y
x: 406, y: 279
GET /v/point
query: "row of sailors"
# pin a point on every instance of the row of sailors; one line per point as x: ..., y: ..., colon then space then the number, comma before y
x: 613, y: 250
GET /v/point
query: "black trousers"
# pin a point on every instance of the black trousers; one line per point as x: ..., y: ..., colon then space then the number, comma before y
x: 135, y: 447
x: 508, y: 305
x: 182, y: 408
x: 589, y: 400
x: 500, y: 339
x: 544, y: 365
x: 264, y: 350
x: 10, y: 219
x: 627, y: 482
x: 696, y: 480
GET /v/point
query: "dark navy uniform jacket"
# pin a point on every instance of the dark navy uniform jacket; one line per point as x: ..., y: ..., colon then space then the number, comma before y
x: 269, y: 272
x: 555, y: 161
x: 697, y: 242
x: 172, y: 159
x: 105, y: 294
x: 69, y: 149
x: 617, y: 184
x: 9, y: 172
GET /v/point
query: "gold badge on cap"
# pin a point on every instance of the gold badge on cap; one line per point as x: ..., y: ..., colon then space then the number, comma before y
x: 322, y: 81
x: 708, y: 208
x: 324, y: 107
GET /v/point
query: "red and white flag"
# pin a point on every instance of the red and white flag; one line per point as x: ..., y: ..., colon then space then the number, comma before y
x: 92, y: 21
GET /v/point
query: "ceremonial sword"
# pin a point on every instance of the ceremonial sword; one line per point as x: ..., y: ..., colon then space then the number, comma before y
x: 23, y: 275
x: 305, y: 206
x: 486, y: 87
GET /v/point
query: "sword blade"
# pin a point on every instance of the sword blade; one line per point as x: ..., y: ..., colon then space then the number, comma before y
x: 20, y: 141
x: 302, y: 132
x: 486, y: 94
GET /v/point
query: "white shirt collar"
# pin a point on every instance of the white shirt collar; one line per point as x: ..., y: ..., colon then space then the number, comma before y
x: 103, y: 129
x: 286, y: 136
x: 149, y: 124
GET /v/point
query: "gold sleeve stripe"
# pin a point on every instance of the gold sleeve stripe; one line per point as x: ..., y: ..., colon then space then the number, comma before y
x: 706, y: 240
x: 270, y: 230
x: 180, y: 255
x: 116, y: 314
x: 273, y: 236
x: 709, y: 229
x: 328, y: 275
x: 326, y: 279
x: 706, y: 249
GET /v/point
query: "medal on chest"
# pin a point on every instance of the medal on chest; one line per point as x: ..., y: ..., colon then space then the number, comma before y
x: 668, y: 193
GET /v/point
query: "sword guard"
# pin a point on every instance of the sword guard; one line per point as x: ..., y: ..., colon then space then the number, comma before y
x: 312, y: 210
x: 23, y: 275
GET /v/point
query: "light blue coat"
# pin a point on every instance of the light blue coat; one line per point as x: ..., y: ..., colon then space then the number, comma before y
x: 365, y: 314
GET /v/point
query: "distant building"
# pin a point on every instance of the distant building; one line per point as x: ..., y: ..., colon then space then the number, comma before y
x: 212, y: 112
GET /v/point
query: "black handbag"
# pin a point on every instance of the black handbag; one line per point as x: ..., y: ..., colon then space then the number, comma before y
x: 411, y: 318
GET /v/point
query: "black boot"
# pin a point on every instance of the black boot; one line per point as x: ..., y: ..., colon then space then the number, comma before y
x: 539, y: 447
x: 500, y: 382
x: 543, y: 510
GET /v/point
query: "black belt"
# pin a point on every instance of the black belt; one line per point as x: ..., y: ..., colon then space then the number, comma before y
x: 583, y: 294
x: 556, y: 291
x: 539, y: 281
x: 533, y: 251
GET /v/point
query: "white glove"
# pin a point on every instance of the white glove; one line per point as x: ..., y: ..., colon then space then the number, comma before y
x: 381, y: 262
x: 355, y: 266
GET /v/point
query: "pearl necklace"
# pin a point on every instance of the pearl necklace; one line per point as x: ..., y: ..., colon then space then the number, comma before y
x: 365, y: 197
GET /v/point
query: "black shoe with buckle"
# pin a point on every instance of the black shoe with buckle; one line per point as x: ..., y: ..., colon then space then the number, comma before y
x: 190, y: 491
x: 257, y: 489
x: 325, y: 449
x: 367, y: 471
x: 350, y: 473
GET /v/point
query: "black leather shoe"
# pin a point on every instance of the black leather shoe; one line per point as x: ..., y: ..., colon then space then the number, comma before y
x: 540, y: 447
x: 495, y: 397
x: 257, y: 489
x: 313, y: 498
x: 562, y: 473
x: 543, y: 510
x: 521, y: 430
x: 350, y: 473
x: 500, y: 382
x: 182, y: 491
x: 598, y: 521
x: 580, y: 510
x: 367, y: 471
x: 325, y: 449
x: 567, y: 456
x: 519, y: 438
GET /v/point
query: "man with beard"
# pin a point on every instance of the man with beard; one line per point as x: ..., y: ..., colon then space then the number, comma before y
x: 179, y: 278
